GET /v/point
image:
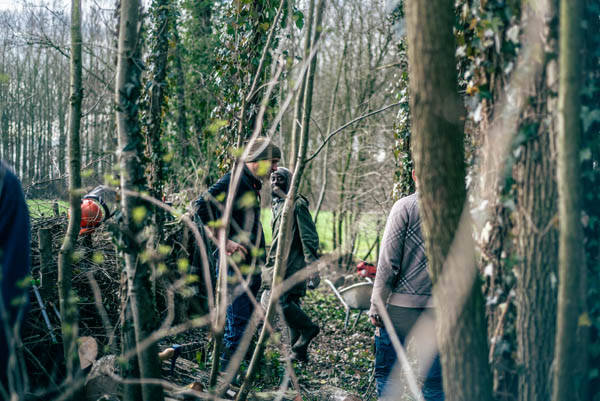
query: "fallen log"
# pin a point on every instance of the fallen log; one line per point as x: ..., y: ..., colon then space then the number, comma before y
x: 101, y: 381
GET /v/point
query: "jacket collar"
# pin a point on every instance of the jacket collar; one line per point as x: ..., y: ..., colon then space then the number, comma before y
x: 251, y: 179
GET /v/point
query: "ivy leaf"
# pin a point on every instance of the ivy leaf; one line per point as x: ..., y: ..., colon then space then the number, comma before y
x: 298, y: 19
x: 584, y: 320
x: 589, y: 117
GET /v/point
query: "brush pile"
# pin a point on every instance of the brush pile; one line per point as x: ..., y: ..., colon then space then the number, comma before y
x: 96, y: 282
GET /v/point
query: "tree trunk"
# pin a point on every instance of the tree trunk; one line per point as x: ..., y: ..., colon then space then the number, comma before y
x: 287, y: 216
x: 570, y: 364
x: 162, y: 22
x: 535, y: 223
x: 182, y: 124
x: 436, y: 113
x: 68, y: 306
x: 130, y: 369
x: 297, y: 116
x: 132, y: 179
x: 161, y: 15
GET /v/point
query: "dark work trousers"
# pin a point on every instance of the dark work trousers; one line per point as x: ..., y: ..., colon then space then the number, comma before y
x: 296, y: 319
x: 238, y: 316
x: 404, y: 320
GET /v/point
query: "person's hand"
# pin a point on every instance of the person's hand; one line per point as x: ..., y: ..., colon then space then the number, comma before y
x: 232, y: 247
x: 313, y: 281
x: 376, y: 320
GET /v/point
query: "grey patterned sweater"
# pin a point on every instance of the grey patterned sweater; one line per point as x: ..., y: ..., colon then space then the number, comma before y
x: 402, y: 277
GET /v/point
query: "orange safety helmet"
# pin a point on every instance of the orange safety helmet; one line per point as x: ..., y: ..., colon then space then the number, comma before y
x: 91, y: 216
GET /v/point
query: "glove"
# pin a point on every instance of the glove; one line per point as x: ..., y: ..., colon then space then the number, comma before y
x: 313, y: 281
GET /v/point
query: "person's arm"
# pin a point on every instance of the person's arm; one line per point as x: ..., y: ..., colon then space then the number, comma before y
x: 390, y: 261
x: 308, y: 232
x: 209, y: 205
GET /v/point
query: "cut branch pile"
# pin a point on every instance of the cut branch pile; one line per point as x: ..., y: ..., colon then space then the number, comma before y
x: 96, y: 275
x: 97, y: 284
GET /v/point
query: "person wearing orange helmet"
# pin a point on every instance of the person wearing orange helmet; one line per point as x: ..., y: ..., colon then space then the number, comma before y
x: 96, y: 208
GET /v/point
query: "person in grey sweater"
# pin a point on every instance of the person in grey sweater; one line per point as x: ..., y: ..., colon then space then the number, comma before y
x: 403, y: 290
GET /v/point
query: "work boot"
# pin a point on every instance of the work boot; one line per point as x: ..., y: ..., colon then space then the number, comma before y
x: 300, y: 348
x: 302, y: 329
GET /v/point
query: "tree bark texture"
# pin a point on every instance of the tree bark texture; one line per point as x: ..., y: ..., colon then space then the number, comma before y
x: 182, y: 123
x: 297, y: 116
x: 570, y: 363
x: 68, y: 303
x: 536, y: 274
x: 287, y: 216
x: 436, y: 118
x: 132, y: 179
x: 162, y: 16
x: 535, y: 220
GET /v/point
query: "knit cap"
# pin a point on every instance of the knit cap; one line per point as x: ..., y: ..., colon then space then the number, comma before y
x: 263, y: 149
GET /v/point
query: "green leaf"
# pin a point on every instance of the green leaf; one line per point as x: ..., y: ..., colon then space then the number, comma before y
x: 298, y: 18
x: 589, y: 117
x: 138, y: 214
x: 584, y: 320
x: 182, y: 265
x: 98, y: 258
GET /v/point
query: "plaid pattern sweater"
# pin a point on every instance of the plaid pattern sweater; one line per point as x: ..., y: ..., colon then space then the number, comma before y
x: 402, y: 277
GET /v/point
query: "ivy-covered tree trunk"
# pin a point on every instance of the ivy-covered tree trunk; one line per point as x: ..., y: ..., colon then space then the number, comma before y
x: 536, y: 223
x: 436, y: 113
x: 198, y: 63
x: 182, y: 122
x: 67, y: 298
x: 570, y: 363
x: 162, y: 23
x: 161, y: 13
x: 132, y: 180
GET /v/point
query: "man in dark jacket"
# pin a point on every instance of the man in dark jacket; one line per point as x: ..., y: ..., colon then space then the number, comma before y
x: 246, y: 242
x: 303, y: 251
x: 14, y: 265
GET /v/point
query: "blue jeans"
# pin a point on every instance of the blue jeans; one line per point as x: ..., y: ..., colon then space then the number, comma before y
x: 385, y: 358
x: 238, y: 315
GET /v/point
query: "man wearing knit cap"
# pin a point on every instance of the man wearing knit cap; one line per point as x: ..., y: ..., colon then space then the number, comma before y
x: 245, y: 244
x: 303, y: 251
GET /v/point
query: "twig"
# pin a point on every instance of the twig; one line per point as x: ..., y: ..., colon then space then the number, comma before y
x: 499, y: 327
x: 357, y: 119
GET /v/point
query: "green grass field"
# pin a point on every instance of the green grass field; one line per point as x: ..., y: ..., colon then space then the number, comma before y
x: 43, y: 207
x: 366, y: 227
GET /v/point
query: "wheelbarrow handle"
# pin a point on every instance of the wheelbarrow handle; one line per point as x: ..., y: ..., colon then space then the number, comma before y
x: 337, y: 294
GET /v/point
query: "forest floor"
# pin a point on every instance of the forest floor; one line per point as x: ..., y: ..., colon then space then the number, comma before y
x: 338, y: 357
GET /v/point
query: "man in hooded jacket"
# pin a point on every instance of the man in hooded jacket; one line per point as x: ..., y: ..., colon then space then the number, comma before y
x: 303, y: 251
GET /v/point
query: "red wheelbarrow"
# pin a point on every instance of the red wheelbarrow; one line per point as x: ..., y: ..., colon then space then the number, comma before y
x: 354, y: 297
